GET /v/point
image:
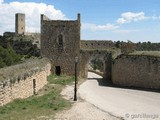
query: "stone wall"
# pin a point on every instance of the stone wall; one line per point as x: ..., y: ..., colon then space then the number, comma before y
x: 137, y: 71
x: 96, y: 44
x: 23, y: 80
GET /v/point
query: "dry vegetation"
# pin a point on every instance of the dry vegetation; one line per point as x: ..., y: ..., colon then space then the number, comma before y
x: 146, y: 53
x: 29, y: 66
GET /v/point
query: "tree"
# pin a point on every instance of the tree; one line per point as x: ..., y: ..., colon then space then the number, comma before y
x: 8, y: 57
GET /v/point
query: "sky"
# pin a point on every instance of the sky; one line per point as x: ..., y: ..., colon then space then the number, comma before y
x: 134, y: 20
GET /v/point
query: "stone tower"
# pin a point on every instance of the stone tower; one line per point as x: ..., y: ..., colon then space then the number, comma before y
x: 60, y: 42
x: 20, y: 23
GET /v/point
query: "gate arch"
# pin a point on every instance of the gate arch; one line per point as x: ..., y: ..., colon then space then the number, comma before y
x: 87, y: 55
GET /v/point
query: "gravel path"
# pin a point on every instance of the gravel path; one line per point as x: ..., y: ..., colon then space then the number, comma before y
x: 81, y: 110
x: 84, y: 111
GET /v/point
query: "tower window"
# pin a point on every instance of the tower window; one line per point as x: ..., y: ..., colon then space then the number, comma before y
x: 60, y: 42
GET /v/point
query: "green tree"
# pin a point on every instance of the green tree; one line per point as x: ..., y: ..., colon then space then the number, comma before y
x: 8, y: 57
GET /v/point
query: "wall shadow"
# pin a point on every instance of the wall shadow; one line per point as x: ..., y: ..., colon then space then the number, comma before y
x: 108, y: 83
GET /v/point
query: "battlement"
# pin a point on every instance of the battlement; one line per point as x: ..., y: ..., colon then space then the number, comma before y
x: 45, y: 18
x: 97, y: 44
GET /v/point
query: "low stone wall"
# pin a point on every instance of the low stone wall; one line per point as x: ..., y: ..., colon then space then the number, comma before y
x: 137, y: 71
x: 23, y: 80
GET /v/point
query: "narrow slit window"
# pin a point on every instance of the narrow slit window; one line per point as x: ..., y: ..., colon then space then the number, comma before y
x: 60, y: 42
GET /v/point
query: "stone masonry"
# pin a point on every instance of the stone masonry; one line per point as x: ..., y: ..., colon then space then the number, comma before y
x: 20, y: 23
x: 96, y: 44
x: 87, y: 55
x: 60, y: 42
x: 24, y: 80
x: 137, y: 71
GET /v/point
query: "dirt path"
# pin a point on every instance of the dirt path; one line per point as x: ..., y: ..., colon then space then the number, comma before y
x: 81, y: 110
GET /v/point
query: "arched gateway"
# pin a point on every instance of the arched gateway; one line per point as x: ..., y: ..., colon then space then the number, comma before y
x: 88, y: 55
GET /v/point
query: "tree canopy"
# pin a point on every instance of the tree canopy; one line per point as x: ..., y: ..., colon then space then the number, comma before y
x: 8, y: 57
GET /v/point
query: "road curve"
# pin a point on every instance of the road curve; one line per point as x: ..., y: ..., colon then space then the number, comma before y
x: 126, y: 103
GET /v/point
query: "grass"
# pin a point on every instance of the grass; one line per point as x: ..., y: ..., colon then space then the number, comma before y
x: 60, y: 80
x: 46, y: 103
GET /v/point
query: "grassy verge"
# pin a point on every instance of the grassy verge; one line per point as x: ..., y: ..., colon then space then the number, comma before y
x: 41, y: 106
x: 60, y: 80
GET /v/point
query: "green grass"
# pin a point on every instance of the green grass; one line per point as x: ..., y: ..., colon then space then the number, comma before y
x: 46, y: 103
x: 61, y: 80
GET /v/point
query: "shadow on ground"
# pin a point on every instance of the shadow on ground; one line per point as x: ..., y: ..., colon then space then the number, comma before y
x: 108, y: 83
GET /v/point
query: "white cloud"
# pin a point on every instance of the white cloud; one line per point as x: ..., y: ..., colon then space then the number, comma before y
x: 94, y: 27
x: 126, y: 17
x: 32, y: 12
x: 1, y: 1
x: 131, y: 16
x: 155, y: 17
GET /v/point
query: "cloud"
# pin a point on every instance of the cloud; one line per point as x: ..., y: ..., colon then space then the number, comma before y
x: 131, y: 16
x: 94, y: 27
x: 32, y: 11
x: 1, y: 1
x: 155, y: 17
x: 126, y: 17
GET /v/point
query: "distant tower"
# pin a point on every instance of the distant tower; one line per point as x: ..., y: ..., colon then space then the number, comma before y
x: 20, y: 23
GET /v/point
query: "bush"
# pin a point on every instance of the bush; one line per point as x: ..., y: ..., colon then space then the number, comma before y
x: 8, y: 57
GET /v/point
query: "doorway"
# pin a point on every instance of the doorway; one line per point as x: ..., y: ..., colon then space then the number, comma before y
x: 58, y: 70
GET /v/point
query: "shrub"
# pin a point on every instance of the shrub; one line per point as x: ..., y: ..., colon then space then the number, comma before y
x: 8, y: 57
